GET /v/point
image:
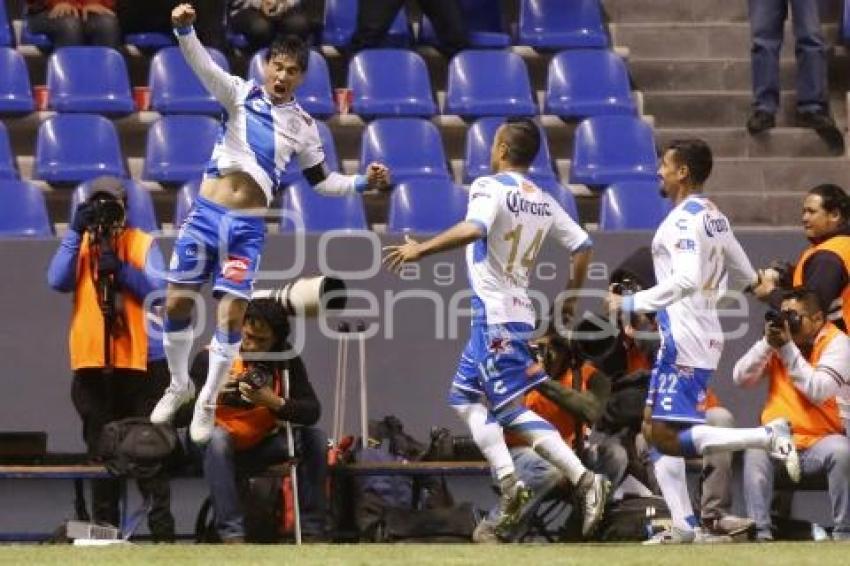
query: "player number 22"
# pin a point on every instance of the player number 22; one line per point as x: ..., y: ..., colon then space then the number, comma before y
x: 527, y: 260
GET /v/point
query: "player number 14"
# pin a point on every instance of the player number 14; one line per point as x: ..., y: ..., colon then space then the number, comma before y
x: 527, y: 260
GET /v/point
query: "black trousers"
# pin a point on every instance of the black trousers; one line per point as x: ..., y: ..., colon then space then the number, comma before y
x: 99, y: 399
x: 155, y: 16
x: 374, y: 18
x: 261, y: 30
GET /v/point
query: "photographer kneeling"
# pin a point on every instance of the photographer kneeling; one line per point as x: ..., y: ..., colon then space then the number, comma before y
x: 800, y: 355
x: 248, y: 435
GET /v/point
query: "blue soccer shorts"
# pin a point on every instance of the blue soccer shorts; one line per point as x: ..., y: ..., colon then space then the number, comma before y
x: 678, y: 393
x: 217, y: 242
x: 498, y: 364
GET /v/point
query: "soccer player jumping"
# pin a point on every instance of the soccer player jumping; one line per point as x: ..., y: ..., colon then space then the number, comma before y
x: 262, y: 129
x: 507, y: 219
x: 696, y: 258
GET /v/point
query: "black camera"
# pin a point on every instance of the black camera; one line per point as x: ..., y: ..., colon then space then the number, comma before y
x: 777, y: 318
x: 106, y: 214
x: 255, y: 375
x: 626, y: 286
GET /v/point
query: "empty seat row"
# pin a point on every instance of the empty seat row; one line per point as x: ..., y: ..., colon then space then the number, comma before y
x: 75, y: 147
x: 384, y: 82
x: 419, y: 205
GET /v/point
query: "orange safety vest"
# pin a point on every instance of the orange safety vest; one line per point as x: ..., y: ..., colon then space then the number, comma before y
x: 247, y: 426
x: 840, y: 246
x: 552, y: 413
x: 129, y: 338
x: 809, y: 422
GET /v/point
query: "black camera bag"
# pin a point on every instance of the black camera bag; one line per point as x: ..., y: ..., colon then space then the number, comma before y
x: 136, y: 448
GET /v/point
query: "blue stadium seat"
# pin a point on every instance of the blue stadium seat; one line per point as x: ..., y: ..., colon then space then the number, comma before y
x: 88, y: 79
x: 484, y: 24
x: 15, y: 89
x: 321, y: 213
x: 562, y: 195
x: 7, y: 37
x: 341, y: 20
x: 609, y: 149
x: 479, y: 140
x: 149, y: 41
x: 71, y: 148
x: 185, y: 200
x: 632, y: 205
x: 475, y: 90
x: 178, y: 148
x: 315, y: 94
x: 555, y: 24
x: 588, y: 82
x: 426, y: 205
x: 8, y: 170
x: 175, y: 89
x: 389, y: 140
x: 390, y: 82
x: 23, y: 212
x: 140, y: 211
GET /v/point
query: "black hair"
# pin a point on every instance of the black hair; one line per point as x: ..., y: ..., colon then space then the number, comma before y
x: 291, y: 46
x: 808, y: 298
x: 833, y: 198
x: 694, y: 154
x: 272, y: 313
x: 522, y: 137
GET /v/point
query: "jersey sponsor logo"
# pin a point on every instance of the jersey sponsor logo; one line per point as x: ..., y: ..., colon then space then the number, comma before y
x: 235, y: 268
x: 518, y: 205
x: 527, y: 187
x: 682, y: 224
x: 686, y: 245
x: 517, y: 302
x: 293, y: 126
x: 714, y: 225
x: 479, y: 194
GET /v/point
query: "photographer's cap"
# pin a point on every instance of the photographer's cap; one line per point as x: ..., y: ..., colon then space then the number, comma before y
x: 107, y: 185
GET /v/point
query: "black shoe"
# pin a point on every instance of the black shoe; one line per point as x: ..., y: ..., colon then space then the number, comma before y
x: 822, y: 123
x: 760, y: 121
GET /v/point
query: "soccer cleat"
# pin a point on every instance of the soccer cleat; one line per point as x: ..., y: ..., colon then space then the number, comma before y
x: 782, y: 447
x: 673, y: 535
x: 593, y: 502
x: 514, y: 497
x: 170, y: 403
x: 203, y: 421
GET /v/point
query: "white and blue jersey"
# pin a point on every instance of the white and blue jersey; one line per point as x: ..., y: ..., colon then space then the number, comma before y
x: 257, y: 137
x: 516, y: 217
x: 696, y: 259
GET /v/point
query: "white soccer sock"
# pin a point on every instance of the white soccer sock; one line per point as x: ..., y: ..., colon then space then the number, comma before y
x: 670, y: 473
x: 178, y: 345
x: 221, y: 361
x: 548, y: 444
x: 488, y: 436
x: 705, y: 439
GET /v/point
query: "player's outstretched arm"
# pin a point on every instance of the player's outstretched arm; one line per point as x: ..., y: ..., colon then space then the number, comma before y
x: 219, y: 83
x: 457, y: 236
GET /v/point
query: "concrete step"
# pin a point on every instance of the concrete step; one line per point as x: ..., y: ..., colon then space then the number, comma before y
x: 745, y: 208
x: 722, y: 108
x: 695, y: 10
x: 737, y: 142
x: 671, y: 73
x: 776, y: 174
x: 688, y: 40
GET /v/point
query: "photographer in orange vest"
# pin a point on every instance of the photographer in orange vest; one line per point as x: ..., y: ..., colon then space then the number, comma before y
x: 118, y: 363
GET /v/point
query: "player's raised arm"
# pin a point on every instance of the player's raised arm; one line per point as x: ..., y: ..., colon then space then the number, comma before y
x: 220, y: 84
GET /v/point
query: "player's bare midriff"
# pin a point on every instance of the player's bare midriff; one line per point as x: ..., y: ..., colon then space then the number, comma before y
x: 236, y: 190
